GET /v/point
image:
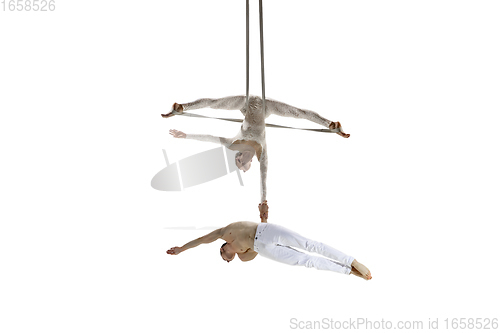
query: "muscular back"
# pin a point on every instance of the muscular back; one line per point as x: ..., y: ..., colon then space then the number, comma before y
x: 241, y: 235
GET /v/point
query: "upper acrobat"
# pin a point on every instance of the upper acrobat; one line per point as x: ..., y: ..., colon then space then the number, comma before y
x: 251, y: 139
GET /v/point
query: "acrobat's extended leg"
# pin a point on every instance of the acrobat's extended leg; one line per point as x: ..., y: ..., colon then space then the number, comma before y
x: 285, y: 110
x: 225, y: 103
x: 275, y: 242
x: 276, y: 234
x: 287, y: 255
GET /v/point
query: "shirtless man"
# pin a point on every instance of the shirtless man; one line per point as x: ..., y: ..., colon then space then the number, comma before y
x: 247, y: 239
x: 251, y: 139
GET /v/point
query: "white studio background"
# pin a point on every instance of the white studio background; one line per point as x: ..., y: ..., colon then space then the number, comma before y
x: 413, y: 193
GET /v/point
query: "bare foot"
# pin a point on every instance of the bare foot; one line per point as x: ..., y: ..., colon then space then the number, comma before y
x: 335, y: 125
x: 356, y: 273
x: 361, y: 269
x: 176, y: 109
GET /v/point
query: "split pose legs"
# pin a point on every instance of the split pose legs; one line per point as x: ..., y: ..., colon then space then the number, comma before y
x: 255, y: 102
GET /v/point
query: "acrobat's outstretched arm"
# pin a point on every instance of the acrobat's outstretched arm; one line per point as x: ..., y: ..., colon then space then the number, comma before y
x: 263, y: 207
x: 201, y: 137
x: 208, y: 238
x: 285, y: 110
x: 226, y: 103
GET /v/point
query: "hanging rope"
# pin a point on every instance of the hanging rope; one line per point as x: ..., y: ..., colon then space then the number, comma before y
x: 261, y: 19
x: 248, y: 48
x: 261, y: 23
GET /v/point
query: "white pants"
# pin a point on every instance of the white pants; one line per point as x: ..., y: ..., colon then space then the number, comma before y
x: 274, y: 242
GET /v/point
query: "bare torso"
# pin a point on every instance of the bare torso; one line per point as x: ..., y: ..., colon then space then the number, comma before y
x: 241, y: 235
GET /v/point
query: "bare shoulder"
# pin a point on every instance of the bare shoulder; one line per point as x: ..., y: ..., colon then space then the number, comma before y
x: 241, y: 224
x: 238, y: 227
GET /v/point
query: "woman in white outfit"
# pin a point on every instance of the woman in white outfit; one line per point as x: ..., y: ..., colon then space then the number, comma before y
x: 251, y: 139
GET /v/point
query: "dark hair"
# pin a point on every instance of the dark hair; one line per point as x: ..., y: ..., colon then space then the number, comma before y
x: 221, y: 248
x: 238, y: 154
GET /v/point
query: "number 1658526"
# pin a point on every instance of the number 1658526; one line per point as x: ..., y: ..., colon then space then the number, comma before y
x: 28, y: 5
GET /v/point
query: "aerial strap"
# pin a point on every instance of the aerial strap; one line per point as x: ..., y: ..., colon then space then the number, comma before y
x: 248, y: 48
x: 261, y: 21
x: 326, y: 130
